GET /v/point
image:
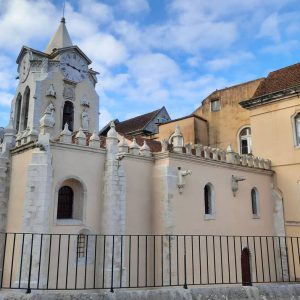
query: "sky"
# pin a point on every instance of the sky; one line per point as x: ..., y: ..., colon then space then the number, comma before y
x: 154, y: 53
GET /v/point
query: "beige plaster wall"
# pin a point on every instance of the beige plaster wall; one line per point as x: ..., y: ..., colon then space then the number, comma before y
x: 139, y: 196
x: 224, y: 125
x: 233, y: 214
x: 273, y: 137
x: 19, y: 165
x: 69, y: 162
x: 201, y: 132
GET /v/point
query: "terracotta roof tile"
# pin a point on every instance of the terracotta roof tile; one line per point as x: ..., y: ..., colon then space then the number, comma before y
x: 278, y: 80
x: 154, y: 146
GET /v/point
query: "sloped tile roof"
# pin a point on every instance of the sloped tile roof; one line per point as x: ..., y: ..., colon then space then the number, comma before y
x: 278, y: 80
x: 136, y: 123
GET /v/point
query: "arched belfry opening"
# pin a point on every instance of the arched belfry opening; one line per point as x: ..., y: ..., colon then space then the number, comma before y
x: 18, y: 105
x: 25, y: 108
x: 246, y: 267
x: 68, y: 115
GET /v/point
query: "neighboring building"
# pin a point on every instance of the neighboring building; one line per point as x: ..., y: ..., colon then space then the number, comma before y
x: 219, y: 121
x: 145, y: 125
x: 193, y: 128
x: 228, y: 123
x: 260, y: 117
x: 275, y: 123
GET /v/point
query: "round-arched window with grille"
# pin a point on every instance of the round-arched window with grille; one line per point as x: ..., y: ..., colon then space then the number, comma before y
x: 65, y: 203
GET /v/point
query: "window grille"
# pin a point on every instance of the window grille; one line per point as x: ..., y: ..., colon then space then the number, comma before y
x: 81, y: 245
x: 65, y: 203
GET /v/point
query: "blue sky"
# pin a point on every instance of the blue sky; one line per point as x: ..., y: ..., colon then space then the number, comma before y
x: 152, y: 53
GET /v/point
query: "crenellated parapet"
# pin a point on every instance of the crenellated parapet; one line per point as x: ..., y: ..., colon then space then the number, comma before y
x: 141, y: 147
x: 231, y: 157
x: 214, y: 154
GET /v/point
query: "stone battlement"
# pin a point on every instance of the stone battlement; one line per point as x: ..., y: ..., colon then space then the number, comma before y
x: 146, y: 148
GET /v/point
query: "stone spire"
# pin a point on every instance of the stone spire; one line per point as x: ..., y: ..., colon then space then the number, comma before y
x: 60, y: 39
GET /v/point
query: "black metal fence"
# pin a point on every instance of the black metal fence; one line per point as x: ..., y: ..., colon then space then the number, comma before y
x: 76, y: 262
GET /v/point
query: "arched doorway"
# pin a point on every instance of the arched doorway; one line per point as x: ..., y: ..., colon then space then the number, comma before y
x: 246, y: 268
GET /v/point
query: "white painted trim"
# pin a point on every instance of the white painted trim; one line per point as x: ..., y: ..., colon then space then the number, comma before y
x: 293, y: 116
x: 238, y: 137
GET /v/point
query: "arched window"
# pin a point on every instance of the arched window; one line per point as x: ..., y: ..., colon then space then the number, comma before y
x: 209, y: 201
x: 18, y: 111
x: 68, y: 115
x: 254, y: 202
x: 245, y: 141
x: 65, y: 203
x: 25, y: 108
x: 297, y: 129
x: 71, y: 199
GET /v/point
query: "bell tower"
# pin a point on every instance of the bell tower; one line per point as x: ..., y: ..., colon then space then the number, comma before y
x: 55, y: 87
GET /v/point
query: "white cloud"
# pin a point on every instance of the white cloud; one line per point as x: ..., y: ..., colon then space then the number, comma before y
x: 104, y: 48
x: 134, y: 6
x: 151, y: 75
x: 270, y: 28
x: 230, y: 60
x: 115, y: 83
x: 105, y: 117
x: 5, y: 99
x: 131, y: 35
x: 18, y: 26
x: 100, y: 12
x: 192, y: 37
x: 285, y: 47
x: 194, y: 60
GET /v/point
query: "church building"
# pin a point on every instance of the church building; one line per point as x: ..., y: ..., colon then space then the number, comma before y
x: 58, y: 176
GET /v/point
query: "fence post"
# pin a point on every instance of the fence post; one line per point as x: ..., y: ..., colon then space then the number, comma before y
x: 112, y: 266
x: 185, y: 279
x: 3, y: 259
x: 28, y: 291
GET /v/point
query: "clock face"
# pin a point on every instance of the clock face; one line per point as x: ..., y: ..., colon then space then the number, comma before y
x: 73, y: 66
x: 24, y: 67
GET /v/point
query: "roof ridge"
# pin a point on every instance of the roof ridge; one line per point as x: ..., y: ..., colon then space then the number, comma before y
x: 283, y: 68
x: 152, y: 112
x: 236, y: 85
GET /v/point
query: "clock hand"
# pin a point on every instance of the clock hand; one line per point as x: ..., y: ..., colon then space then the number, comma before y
x: 73, y: 67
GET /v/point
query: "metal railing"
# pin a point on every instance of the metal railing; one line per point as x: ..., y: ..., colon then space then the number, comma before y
x: 76, y: 262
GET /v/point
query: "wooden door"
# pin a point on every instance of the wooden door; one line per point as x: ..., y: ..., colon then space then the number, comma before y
x: 246, y: 268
